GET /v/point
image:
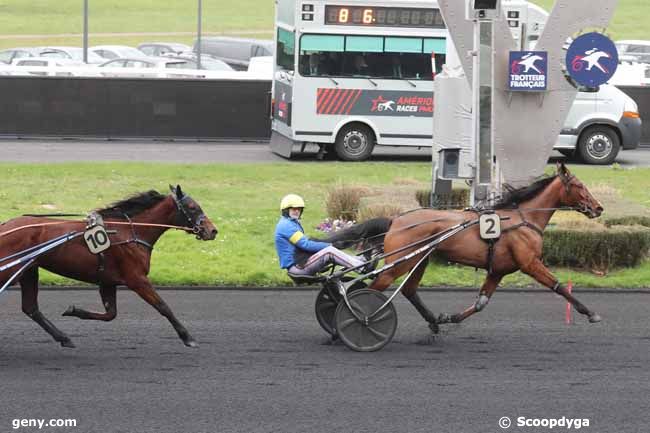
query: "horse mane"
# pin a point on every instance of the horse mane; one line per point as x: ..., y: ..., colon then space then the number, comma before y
x: 514, y: 196
x: 132, y: 205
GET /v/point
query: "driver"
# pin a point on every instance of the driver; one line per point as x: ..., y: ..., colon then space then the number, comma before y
x: 290, y: 237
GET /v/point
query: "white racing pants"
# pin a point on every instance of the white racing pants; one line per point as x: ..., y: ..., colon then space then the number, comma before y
x: 324, y: 257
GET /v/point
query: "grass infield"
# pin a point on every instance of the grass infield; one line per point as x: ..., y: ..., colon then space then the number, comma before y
x: 243, y: 199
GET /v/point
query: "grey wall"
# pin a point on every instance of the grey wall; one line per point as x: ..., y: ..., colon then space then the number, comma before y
x: 134, y: 108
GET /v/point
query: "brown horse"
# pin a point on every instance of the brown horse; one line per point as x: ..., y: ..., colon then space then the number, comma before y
x: 528, y: 211
x: 134, y: 225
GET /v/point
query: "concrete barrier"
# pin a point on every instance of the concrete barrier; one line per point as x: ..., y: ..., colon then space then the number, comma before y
x: 134, y: 108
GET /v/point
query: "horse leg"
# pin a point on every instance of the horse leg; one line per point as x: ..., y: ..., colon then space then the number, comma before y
x: 148, y: 293
x: 108, y: 294
x: 541, y: 274
x: 382, y: 281
x: 487, y: 290
x: 29, y: 290
x: 409, y: 292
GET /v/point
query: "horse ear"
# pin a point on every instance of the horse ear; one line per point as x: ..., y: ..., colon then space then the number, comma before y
x: 179, y: 193
x: 171, y: 188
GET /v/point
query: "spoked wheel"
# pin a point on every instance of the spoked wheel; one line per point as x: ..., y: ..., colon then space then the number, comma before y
x: 362, y: 336
x: 326, y: 302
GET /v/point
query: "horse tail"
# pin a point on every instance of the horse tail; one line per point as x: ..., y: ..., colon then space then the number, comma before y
x: 374, y: 230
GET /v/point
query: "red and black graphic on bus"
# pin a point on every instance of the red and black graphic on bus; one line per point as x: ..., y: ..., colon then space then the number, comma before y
x: 374, y: 103
x: 282, y: 102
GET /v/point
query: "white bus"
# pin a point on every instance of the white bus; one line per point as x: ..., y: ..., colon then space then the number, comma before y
x: 352, y: 74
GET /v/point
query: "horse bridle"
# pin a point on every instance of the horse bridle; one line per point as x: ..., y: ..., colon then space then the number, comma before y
x: 580, y: 207
x: 194, y: 224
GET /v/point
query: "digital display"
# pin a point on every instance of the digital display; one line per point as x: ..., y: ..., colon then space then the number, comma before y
x: 383, y: 16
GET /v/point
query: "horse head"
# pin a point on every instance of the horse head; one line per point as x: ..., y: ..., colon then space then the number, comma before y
x: 576, y: 194
x: 191, y: 215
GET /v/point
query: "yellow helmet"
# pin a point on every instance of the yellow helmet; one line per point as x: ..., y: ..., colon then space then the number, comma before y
x: 292, y: 200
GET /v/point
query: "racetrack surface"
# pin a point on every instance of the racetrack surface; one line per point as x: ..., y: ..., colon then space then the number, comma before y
x: 264, y: 365
x: 49, y: 151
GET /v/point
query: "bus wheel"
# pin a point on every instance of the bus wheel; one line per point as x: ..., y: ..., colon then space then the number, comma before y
x: 354, y: 142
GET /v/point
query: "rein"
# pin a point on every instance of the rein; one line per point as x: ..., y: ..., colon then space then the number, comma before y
x: 187, y: 229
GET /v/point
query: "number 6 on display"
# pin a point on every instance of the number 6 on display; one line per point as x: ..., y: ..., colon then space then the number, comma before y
x: 97, y: 239
x: 490, y: 226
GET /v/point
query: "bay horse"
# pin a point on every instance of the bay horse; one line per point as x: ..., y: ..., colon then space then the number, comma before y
x: 528, y: 211
x: 134, y: 225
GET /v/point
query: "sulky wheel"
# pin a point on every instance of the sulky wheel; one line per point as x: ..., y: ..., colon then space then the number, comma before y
x: 326, y: 303
x: 361, y: 336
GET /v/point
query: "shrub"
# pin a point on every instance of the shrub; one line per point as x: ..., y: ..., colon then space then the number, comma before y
x: 343, y: 202
x: 457, y: 199
x: 633, y: 220
x: 600, y: 250
x: 378, y: 210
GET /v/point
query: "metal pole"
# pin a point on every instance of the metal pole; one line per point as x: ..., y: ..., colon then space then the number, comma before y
x: 85, y: 31
x: 198, y: 34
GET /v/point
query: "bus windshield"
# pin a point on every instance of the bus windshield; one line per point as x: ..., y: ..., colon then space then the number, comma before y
x: 370, y: 56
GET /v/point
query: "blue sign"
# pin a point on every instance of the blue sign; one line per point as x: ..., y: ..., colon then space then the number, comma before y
x: 592, y: 59
x: 528, y: 71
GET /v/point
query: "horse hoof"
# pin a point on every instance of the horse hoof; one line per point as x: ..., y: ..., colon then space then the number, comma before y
x: 69, y: 311
x: 67, y: 343
x: 595, y: 318
x: 191, y: 343
x: 434, y: 328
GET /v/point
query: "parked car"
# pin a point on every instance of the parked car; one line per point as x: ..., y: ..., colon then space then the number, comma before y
x: 631, y: 74
x: 71, y: 53
x: 44, y: 66
x: 160, y: 48
x: 634, y: 49
x: 262, y: 65
x: 208, y: 62
x: 149, y: 62
x: 110, y: 52
x: 237, y: 52
x: 7, y: 56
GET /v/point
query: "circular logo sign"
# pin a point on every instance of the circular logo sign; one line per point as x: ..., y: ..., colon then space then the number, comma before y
x: 592, y: 59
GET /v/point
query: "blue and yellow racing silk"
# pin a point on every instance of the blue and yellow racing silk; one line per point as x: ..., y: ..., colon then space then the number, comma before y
x: 290, y: 235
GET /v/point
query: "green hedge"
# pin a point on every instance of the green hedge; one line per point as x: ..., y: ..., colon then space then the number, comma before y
x: 617, y: 247
x: 628, y: 221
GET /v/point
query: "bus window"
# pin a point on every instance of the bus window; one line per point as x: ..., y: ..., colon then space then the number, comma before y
x: 370, y: 56
x: 285, y: 49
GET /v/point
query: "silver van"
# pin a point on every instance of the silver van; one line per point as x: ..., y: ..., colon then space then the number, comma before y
x: 237, y: 52
x: 599, y: 125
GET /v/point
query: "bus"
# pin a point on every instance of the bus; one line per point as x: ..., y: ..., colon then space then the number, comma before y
x: 352, y: 74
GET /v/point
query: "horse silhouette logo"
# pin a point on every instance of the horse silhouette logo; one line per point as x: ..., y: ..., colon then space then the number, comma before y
x: 591, y: 58
x: 527, y: 62
x: 381, y: 104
